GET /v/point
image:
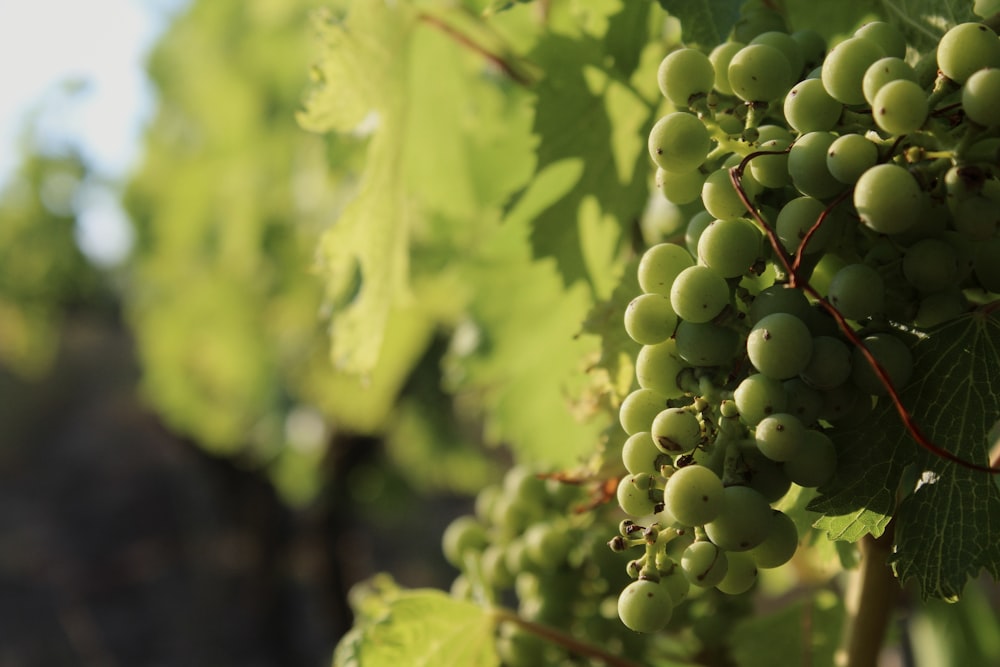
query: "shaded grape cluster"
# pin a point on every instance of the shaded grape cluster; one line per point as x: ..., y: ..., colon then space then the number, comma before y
x: 844, y: 201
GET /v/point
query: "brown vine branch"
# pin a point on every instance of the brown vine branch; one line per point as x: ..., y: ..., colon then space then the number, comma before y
x: 563, y: 639
x: 795, y: 280
x: 496, y: 60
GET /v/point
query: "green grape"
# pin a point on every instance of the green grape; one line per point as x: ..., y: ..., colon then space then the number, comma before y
x: 811, y: 45
x: 779, y: 436
x: 704, y: 564
x: 888, y: 198
x: 940, y: 307
x: 857, y: 291
x: 785, y: 43
x: 772, y: 132
x: 680, y: 187
x: 676, y: 431
x: 830, y: 364
x: 886, y: 35
x: 779, y: 298
x: 706, y: 344
x: 815, y: 462
x: 741, y: 574
x: 524, y: 484
x: 720, y: 57
x: 780, y: 544
x: 809, y: 108
x: 683, y: 74
x: 639, y: 408
x: 493, y: 565
x: 931, y: 265
x: 779, y: 345
x: 843, y: 403
x: 660, y: 265
x: 759, y: 73
x: 967, y: 48
x: 547, y: 544
x: 679, y: 142
x: 981, y: 97
x: 900, y: 107
x: 649, y: 319
x: 755, y: 20
x: 771, y: 171
x: 699, y: 221
x: 729, y: 247
x: 977, y: 217
x: 849, y: 156
x: 892, y: 354
x: 657, y: 367
x: 640, y: 454
x: 804, y: 401
x: 463, y: 535
x: 693, y: 495
x: 845, y: 66
x: 645, y: 606
x: 743, y: 521
x: 807, y: 166
x: 758, y: 396
x: 676, y: 583
x: 986, y: 265
x: 795, y: 220
x: 765, y: 476
x: 883, y: 71
x: 636, y: 495
x: 986, y: 8
x: 699, y: 294
x: 720, y: 198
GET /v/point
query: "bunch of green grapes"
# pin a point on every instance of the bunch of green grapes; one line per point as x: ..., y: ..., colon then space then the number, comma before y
x: 528, y: 547
x: 847, y: 199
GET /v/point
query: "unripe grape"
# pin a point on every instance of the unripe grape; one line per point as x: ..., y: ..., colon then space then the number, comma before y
x: 720, y: 197
x: 657, y: 367
x: 809, y: 108
x: 894, y: 357
x: 758, y: 396
x: 699, y: 294
x: 680, y: 187
x: 706, y: 344
x: 815, y: 462
x: 729, y: 247
x: 635, y: 495
x: 659, y: 266
x: 645, y: 606
x: 771, y: 171
x: 883, y: 71
x: 743, y: 521
x: 676, y: 431
x: 704, y: 564
x: 679, y: 142
x: 779, y: 298
x: 931, y: 265
x: 649, y: 319
x: 759, y: 73
x: 787, y: 45
x: 900, y: 107
x: 693, y: 495
x: 830, y: 364
x: 857, y: 291
x: 849, y: 156
x: 683, y: 74
x: 779, y: 436
x: 462, y: 535
x: 640, y: 454
x: 845, y: 66
x: 967, y: 48
x: 795, y: 220
x: 720, y: 57
x: 812, y: 45
x: 888, y: 198
x: 741, y: 574
x: 886, y: 35
x: 779, y: 346
x: 780, y: 544
x: 804, y: 401
x: 639, y: 408
x: 807, y: 166
x: 981, y: 97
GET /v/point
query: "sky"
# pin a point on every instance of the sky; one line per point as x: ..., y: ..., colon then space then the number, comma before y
x: 99, y: 47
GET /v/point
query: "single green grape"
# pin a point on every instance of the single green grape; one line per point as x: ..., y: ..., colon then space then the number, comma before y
x: 704, y: 564
x: 849, y: 156
x: 785, y: 43
x: 676, y: 431
x: 804, y: 401
x: 699, y: 294
x: 779, y: 436
x: 463, y: 535
x: 888, y: 198
x: 808, y: 168
x: 680, y: 187
x: 659, y: 266
x: 981, y: 97
x: 779, y: 345
x: 645, y: 606
x: 693, y: 495
x: 639, y: 408
x: 720, y: 57
x: 815, y: 462
x: 857, y: 291
x: 780, y: 544
x: 779, y: 298
x: 679, y: 142
x: 743, y: 521
x: 886, y: 35
x: 706, y: 344
x: 830, y: 364
x: 758, y: 396
x: 931, y: 265
x: 900, y: 107
x: 892, y: 354
x: 636, y: 496
x: 845, y: 66
x: 770, y: 169
x: 657, y: 367
x: 883, y: 71
x: 649, y: 319
x: 741, y: 574
x: 729, y: 247
x: 797, y: 217
x: 683, y: 74
x: 809, y: 108
x: 967, y: 48
x: 640, y: 454
x: 720, y: 197
x: 759, y: 73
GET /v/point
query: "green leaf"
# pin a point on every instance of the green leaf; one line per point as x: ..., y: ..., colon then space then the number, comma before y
x: 805, y: 632
x: 591, y: 113
x: 924, y: 21
x: 705, y: 23
x: 421, y: 628
x: 946, y: 528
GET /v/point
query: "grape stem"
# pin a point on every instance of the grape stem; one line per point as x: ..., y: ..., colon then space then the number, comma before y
x: 498, y: 61
x: 796, y: 281
x: 563, y: 639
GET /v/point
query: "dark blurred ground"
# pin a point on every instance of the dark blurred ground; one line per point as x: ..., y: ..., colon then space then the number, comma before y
x: 124, y: 545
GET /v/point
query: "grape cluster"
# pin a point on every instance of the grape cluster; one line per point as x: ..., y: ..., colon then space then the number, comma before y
x: 526, y: 546
x: 843, y: 200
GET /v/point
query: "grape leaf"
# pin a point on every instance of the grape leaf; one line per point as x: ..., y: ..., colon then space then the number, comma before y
x: 421, y: 627
x: 706, y: 23
x: 946, y: 528
x: 805, y: 632
x: 923, y: 22
x: 591, y: 113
